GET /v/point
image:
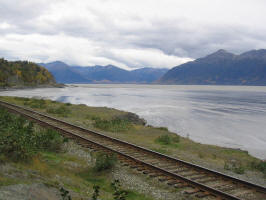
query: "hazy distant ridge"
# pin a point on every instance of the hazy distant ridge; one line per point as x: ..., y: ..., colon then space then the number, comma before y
x: 221, y: 68
x: 64, y: 73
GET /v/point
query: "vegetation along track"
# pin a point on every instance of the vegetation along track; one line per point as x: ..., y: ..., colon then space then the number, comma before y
x: 192, y: 179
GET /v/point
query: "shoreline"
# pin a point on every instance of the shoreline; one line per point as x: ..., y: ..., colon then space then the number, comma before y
x: 194, y: 140
x: 32, y: 87
x: 99, y: 118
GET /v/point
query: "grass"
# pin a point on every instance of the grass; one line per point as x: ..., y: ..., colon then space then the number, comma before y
x: 4, y: 181
x: 53, y: 168
x: 117, y: 124
x: 113, y: 125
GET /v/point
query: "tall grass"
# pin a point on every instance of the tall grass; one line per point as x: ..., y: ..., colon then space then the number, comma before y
x: 113, y: 125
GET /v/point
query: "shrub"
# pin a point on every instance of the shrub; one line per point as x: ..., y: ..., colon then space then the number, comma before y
x: 96, y: 191
x: 164, y: 139
x: 20, y: 141
x: 239, y: 170
x: 261, y: 166
x: 226, y: 166
x: 61, y: 110
x: 49, y: 140
x: 119, y: 193
x: 104, y: 161
x: 167, y: 140
x: 176, y: 139
x: 201, y: 155
x: 65, y: 194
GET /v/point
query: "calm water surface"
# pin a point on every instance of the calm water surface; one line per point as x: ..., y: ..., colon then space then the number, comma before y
x: 231, y: 116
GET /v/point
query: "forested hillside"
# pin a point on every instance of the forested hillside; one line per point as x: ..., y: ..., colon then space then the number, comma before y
x: 23, y: 73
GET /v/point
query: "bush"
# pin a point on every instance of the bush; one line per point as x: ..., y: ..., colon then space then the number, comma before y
x: 96, y: 191
x: 167, y: 140
x: 176, y: 139
x: 49, y: 140
x: 261, y: 166
x: 114, y: 125
x: 19, y: 140
x: 61, y: 110
x: 65, y: 194
x: 164, y: 139
x: 119, y: 193
x: 239, y: 170
x: 104, y: 161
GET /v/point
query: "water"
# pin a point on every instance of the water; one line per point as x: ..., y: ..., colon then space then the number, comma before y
x: 230, y: 116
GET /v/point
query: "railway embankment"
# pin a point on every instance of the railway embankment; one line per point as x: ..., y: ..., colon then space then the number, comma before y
x: 128, y: 127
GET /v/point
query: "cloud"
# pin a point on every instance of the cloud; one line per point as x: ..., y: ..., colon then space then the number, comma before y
x: 129, y: 34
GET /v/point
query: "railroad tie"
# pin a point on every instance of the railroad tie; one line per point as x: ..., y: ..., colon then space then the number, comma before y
x: 191, y: 174
x: 209, y: 179
x: 202, y: 194
x: 181, y: 185
x: 192, y: 191
x: 182, y: 170
x: 154, y: 175
x: 174, y: 182
x: 166, y: 178
x: 198, y: 177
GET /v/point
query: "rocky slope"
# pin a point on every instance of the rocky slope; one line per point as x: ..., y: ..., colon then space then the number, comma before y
x: 221, y: 68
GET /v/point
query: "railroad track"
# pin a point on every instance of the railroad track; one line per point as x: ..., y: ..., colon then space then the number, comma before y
x: 192, y: 179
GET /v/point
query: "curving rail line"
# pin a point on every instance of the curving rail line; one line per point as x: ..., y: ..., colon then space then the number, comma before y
x: 194, y: 180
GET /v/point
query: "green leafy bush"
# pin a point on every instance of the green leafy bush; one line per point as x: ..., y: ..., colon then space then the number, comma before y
x: 261, y: 166
x: 104, y: 161
x: 164, y: 139
x: 167, y: 140
x: 239, y: 170
x: 96, y: 191
x: 176, y: 139
x: 65, y: 194
x: 19, y: 140
x: 119, y: 193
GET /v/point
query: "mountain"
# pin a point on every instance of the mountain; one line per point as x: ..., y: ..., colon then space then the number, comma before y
x: 105, y: 74
x: 63, y: 73
x: 148, y: 75
x: 221, y: 68
x: 23, y: 73
x: 101, y: 74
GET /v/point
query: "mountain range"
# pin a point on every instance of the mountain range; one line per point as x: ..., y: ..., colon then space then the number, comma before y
x: 218, y: 68
x: 64, y: 73
x: 221, y: 68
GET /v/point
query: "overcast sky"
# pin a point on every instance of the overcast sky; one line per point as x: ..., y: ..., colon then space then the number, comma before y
x: 128, y: 33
